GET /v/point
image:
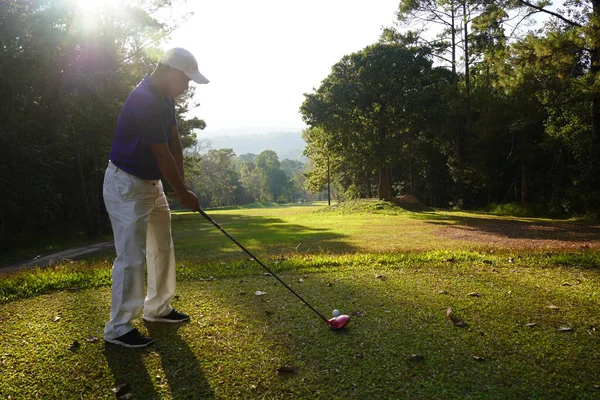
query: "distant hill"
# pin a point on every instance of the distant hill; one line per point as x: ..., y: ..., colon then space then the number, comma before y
x: 288, y: 145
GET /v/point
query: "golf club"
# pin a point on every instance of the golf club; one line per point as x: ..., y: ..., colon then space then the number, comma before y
x: 334, y: 323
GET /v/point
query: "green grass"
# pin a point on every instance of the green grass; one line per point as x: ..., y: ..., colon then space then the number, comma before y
x: 388, y: 268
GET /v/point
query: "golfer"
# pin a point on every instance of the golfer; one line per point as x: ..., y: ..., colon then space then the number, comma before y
x: 146, y: 148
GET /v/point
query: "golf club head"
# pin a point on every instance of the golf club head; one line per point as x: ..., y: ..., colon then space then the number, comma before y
x: 338, y: 322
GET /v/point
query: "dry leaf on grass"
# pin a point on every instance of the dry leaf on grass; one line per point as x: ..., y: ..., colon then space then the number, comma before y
x: 565, y: 329
x: 122, y: 391
x: 416, y: 358
x: 454, y: 319
x: 75, y: 345
x: 287, y: 369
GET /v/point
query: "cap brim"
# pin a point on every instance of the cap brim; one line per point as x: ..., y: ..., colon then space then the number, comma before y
x: 197, y: 77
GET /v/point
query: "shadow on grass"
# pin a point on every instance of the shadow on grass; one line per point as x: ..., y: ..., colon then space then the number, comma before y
x: 182, y: 371
x: 193, y: 234
x: 129, y: 371
x: 373, y: 356
x: 523, y: 228
x: 183, y: 377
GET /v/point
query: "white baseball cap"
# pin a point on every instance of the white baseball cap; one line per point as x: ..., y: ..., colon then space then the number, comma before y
x: 184, y: 61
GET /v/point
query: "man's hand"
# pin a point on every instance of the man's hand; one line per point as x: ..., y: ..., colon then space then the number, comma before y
x: 189, y: 200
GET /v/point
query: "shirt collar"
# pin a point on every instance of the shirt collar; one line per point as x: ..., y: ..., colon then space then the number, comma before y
x: 148, y: 82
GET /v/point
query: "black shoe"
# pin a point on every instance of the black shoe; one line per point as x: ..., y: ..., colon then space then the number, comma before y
x: 132, y: 339
x: 174, y: 316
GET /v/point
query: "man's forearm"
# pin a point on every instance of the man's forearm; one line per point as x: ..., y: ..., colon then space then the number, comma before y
x: 177, y: 151
x: 170, y: 171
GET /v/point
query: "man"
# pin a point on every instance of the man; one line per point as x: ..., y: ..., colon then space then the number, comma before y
x: 146, y: 148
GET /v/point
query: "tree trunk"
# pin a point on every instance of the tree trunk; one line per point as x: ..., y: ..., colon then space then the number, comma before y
x: 367, y: 183
x: 410, y: 166
x: 385, y: 184
x: 465, y: 191
x: 595, y: 73
x: 453, y: 38
x: 524, y: 184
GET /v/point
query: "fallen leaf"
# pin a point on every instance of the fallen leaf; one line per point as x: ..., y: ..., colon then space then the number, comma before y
x: 91, y: 339
x: 478, y: 358
x: 56, y: 319
x: 259, y: 293
x: 565, y: 329
x: 553, y: 307
x: 455, y: 320
x: 416, y: 358
x: 75, y: 345
x: 442, y: 292
x: 122, y: 391
x: 531, y: 324
x: 474, y: 294
x: 267, y: 274
x: 511, y: 260
x: 287, y: 369
x: 566, y: 284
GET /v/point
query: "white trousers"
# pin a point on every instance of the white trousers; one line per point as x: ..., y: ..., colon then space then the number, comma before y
x: 141, y: 223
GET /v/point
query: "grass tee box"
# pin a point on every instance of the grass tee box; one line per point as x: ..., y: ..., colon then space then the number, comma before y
x: 436, y: 313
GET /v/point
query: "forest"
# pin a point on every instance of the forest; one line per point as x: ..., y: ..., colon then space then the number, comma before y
x: 501, y: 104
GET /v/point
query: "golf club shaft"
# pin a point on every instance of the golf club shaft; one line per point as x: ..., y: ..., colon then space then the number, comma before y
x: 212, y: 221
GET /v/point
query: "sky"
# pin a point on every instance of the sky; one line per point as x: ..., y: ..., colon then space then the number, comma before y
x: 261, y: 56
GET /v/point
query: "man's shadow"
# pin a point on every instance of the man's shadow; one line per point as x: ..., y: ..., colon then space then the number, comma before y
x: 129, y: 371
x: 183, y: 373
x: 183, y: 377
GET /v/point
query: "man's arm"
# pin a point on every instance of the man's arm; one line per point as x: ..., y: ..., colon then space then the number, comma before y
x: 177, y: 151
x: 168, y: 168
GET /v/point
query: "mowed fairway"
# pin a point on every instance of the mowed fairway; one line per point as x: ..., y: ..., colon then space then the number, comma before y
x: 527, y: 291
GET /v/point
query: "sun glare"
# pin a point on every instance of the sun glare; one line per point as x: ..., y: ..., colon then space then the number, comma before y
x: 91, y: 6
x: 90, y: 10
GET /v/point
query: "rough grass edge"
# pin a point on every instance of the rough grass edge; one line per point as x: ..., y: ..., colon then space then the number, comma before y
x: 79, y: 275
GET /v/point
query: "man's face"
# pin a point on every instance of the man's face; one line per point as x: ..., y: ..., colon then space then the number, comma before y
x: 178, y: 83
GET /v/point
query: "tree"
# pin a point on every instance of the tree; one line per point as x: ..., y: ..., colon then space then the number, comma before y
x: 64, y: 82
x: 368, y: 103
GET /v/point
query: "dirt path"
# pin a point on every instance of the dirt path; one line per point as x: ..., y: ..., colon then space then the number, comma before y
x: 48, y: 260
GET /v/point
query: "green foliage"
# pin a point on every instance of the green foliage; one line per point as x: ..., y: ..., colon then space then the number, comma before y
x: 515, y: 117
x: 366, y: 112
x: 64, y: 73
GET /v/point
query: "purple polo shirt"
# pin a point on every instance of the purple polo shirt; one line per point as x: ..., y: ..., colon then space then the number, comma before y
x: 145, y: 119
